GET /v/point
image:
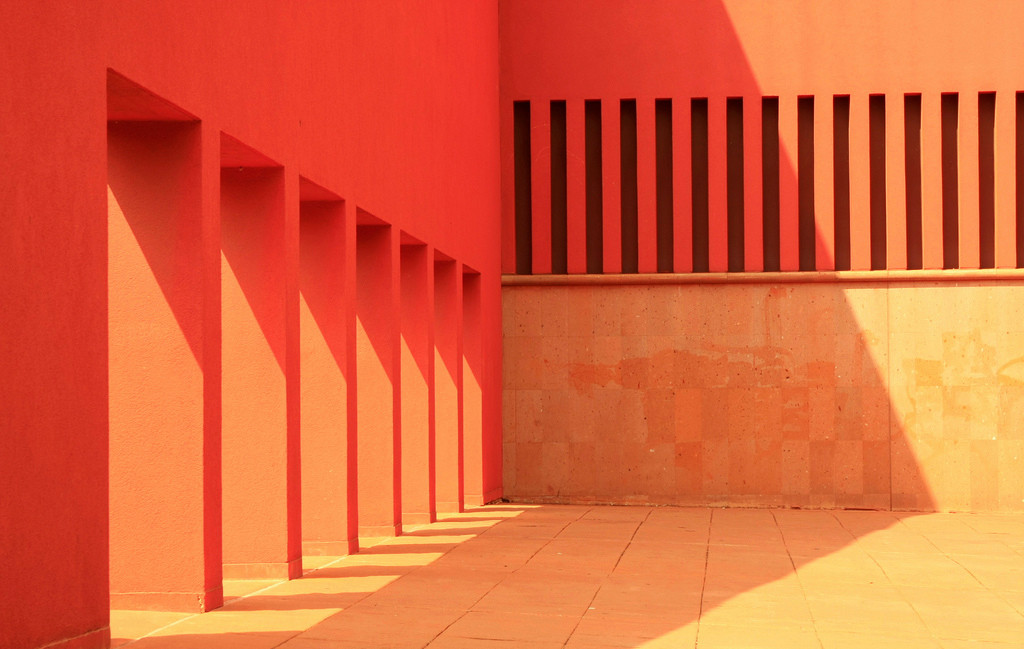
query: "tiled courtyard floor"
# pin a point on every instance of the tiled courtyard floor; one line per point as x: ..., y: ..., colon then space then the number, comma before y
x: 572, y: 576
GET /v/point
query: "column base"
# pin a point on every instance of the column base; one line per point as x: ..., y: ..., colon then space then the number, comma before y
x: 177, y: 602
x: 425, y: 518
x: 330, y: 548
x: 290, y: 570
x: 450, y: 508
x: 97, y: 639
x: 379, y: 531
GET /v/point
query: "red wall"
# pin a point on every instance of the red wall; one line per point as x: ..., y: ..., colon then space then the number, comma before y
x: 899, y: 158
x: 389, y: 107
x: 609, y: 50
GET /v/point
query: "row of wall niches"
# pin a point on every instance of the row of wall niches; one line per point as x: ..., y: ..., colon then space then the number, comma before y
x: 697, y: 184
x: 289, y: 373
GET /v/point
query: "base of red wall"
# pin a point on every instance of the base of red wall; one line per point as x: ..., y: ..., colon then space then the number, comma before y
x: 493, y: 495
x: 330, y: 548
x: 378, y: 531
x: 448, y: 508
x: 737, y: 502
x: 422, y: 518
x: 279, y: 570
x: 183, y: 602
x: 98, y: 639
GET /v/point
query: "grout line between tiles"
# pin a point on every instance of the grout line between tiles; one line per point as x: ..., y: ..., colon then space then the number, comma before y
x: 503, y: 579
x: 799, y: 582
x: 605, y: 580
x: 704, y: 579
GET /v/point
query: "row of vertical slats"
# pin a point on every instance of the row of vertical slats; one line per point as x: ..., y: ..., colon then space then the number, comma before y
x: 851, y: 188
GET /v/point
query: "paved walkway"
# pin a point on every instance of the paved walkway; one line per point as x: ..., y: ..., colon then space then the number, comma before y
x: 551, y: 576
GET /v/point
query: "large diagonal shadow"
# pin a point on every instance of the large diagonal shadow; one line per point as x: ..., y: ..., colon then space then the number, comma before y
x: 569, y: 575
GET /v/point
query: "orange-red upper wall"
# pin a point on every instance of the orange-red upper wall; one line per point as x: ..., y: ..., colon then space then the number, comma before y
x: 661, y: 48
x: 875, y: 166
x: 390, y: 105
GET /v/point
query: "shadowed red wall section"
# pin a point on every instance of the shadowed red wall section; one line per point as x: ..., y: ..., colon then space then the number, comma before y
x: 387, y: 108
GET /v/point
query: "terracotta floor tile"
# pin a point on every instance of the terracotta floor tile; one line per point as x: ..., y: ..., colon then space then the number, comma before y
x: 259, y: 621
x: 513, y: 626
x: 589, y: 556
x: 732, y: 636
x: 947, y: 643
x: 275, y: 601
x: 966, y: 614
x: 234, y: 588
x: 493, y: 552
x: 311, y: 563
x: 302, y: 642
x: 857, y: 640
x: 683, y: 606
x: 783, y: 612
x: 999, y: 571
x: 384, y: 625
x: 128, y: 625
x: 538, y: 597
x: 896, y: 542
x: 619, y: 629
x: 540, y: 577
x: 924, y: 569
x: 334, y: 581
x: 215, y: 639
x: 683, y: 636
x: 668, y: 636
x: 434, y: 590
x: 1013, y: 598
x: 882, y: 592
x: 891, y: 618
x: 445, y: 642
x: 824, y: 574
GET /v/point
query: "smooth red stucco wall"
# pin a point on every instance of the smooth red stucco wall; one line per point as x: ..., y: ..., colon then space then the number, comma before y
x: 389, y: 106
x: 795, y: 50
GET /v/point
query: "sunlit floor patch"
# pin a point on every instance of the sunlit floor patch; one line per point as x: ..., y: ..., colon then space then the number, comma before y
x: 600, y: 577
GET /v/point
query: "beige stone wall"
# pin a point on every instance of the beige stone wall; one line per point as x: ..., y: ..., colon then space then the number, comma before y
x: 904, y: 395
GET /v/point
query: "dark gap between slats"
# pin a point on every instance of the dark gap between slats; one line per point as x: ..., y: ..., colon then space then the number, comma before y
x: 987, y: 179
x: 876, y: 154
x: 950, y: 182
x: 559, y: 185
x: 770, y: 182
x: 805, y: 180
x: 699, y: 171
x: 663, y: 163
x: 523, y: 187
x: 912, y: 160
x: 734, y: 180
x: 627, y: 140
x: 1019, y: 179
x: 841, y: 178
x: 595, y: 184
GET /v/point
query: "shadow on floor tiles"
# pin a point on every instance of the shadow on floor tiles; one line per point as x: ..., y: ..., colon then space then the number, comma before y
x: 250, y: 640
x: 426, y: 532
x: 599, y: 577
x: 338, y: 572
x: 409, y: 548
x: 306, y: 602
